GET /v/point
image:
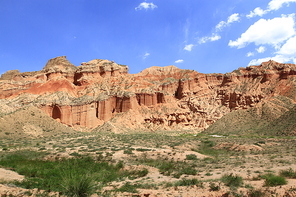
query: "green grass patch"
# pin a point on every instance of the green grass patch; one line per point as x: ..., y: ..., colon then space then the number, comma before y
x: 191, y: 157
x: 188, y: 182
x: 170, y: 168
x: 206, y: 148
x: 232, y: 181
x: 272, y: 180
x: 290, y: 173
x: 66, y: 175
x: 128, y: 187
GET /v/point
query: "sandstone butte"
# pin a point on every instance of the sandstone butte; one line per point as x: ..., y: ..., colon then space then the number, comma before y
x: 102, y: 93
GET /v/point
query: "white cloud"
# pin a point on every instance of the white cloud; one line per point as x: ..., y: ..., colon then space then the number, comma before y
x: 146, y: 55
x: 188, y: 47
x: 289, y: 48
x: 258, y: 61
x: 146, y: 6
x: 179, y: 61
x: 261, y: 49
x: 272, y: 6
x: 271, y: 31
x: 220, y: 25
x: 256, y: 12
x: 277, y: 58
x: 250, y: 54
x: 277, y: 4
x: 231, y: 19
x: 212, y: 38
x: 286, y: 53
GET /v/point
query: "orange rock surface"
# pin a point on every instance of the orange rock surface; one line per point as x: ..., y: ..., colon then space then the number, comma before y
x: 98, y: 91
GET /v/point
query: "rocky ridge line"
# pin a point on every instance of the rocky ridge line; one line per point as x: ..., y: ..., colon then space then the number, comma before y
x: 101, y: 92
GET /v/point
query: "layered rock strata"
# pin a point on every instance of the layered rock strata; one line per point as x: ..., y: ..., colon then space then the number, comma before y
x: 160, y: 97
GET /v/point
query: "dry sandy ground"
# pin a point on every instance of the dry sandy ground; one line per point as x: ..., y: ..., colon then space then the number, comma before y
x: 197, y: 191
x: 8, y: 175
x: 250, y: 162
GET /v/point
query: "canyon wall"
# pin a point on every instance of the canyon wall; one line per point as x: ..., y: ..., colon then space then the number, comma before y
x: 99, y: 91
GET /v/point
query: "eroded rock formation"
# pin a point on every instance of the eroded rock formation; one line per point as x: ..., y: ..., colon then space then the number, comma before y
x: 99, y: 91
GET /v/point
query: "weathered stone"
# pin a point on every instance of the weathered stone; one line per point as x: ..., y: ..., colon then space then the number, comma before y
x: 157, y: 98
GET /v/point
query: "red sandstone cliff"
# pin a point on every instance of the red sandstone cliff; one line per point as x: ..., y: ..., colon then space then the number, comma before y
x: 98, y: 91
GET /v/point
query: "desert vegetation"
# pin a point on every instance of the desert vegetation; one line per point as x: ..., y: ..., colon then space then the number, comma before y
x: 159, y: 163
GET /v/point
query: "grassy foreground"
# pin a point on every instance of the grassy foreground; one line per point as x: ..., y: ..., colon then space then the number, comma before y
x: 109, y: 164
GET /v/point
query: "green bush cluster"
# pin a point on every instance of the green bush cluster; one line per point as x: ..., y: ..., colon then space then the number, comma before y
x: 272, y: 180
x: 231, y: 180
x: 168, y: 168
x: 290, y: 173
x: 73, y: 177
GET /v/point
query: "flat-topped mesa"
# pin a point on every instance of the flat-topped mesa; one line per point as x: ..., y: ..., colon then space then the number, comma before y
x: 87, y: 72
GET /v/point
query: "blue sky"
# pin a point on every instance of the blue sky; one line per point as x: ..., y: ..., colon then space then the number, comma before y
x: 207, y: 36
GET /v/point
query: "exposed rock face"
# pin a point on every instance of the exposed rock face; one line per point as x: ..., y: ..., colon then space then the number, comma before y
x: 157, y: 98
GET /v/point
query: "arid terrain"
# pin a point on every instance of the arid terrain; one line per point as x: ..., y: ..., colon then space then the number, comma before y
x: 96, y: 129
x: 168, y: 163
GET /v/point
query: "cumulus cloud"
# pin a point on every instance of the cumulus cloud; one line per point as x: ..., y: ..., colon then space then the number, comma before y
x: 272, y: 6
x: 277, y: 58
x: 261, y: 49
x: 272, y: 31
x: 286, y: 53
x: 146, y: 6
x: 250, y: 54
x: 231, y: 19
x: 289, y: 48
x: 179, y: 61
x: 259, y: 61
x: 277, y: 4
x: 188, y: 47
x: 257, y: 12
x: 212, y: 38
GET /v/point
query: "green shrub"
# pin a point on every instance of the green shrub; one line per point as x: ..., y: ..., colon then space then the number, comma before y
x: 187, y: 182
x: 78, y: 185
x: 77, y: 174
x: 75, y: 154
x: 232, y: 180
x: 189, y: 170
x: 142, y: 173
x: 191, y: 157
x: 143, y: 149
x: 206, y: 148
x: 128, y: 187
x: 214, y: 187
x: 290, y: 173
x: 256, y: 193
x: 169, y: 168
x: 272, y: 180
x: 128, y: 151
x: 137, y: 173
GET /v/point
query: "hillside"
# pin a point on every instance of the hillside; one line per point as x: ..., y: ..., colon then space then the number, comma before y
x: 101, y: 95
x: 273, y: 117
